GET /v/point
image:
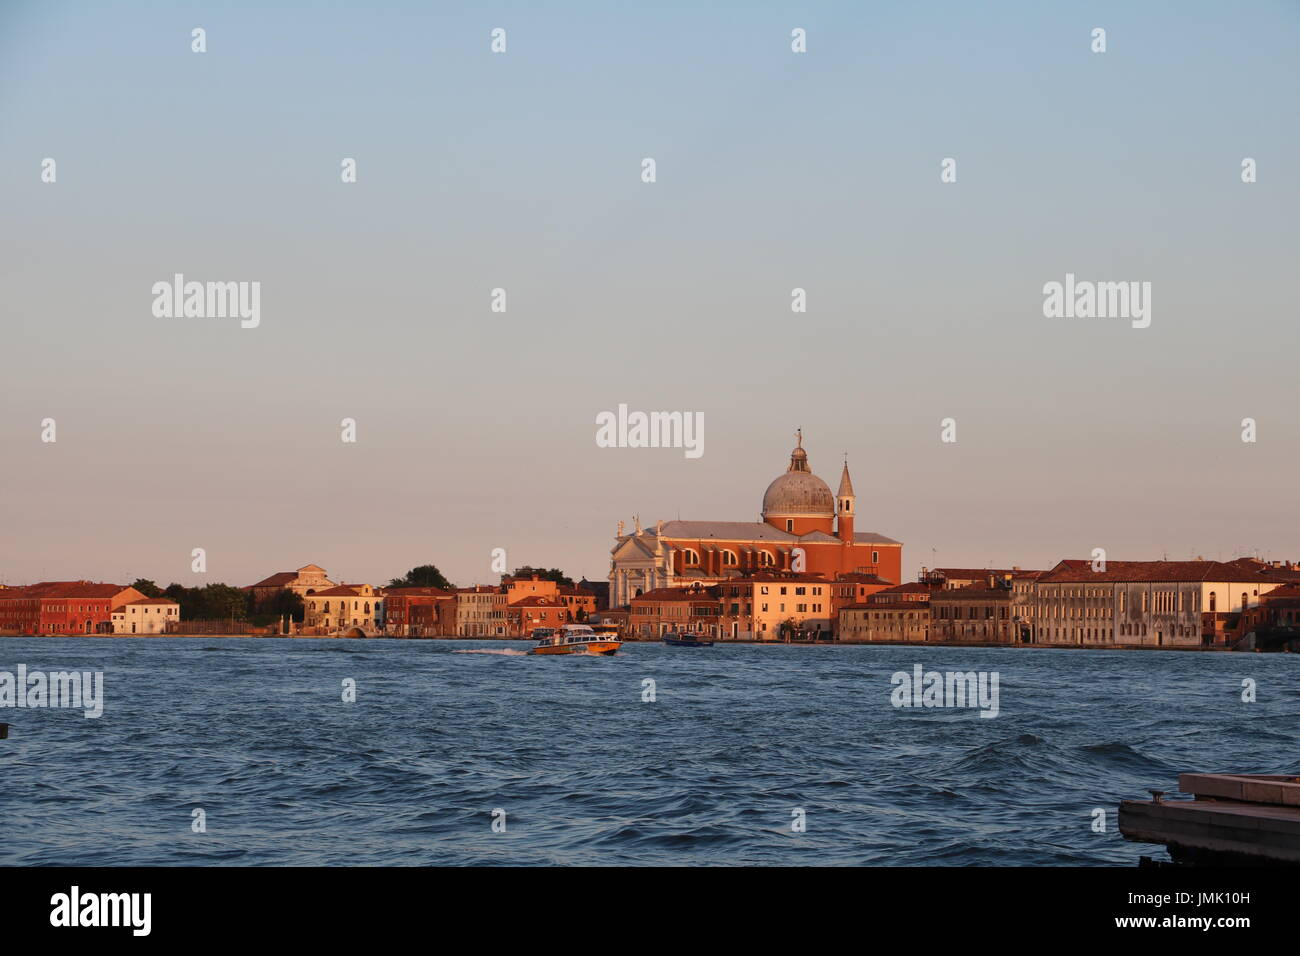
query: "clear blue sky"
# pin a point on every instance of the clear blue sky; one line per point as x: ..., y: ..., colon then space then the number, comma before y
x: 775, y: 170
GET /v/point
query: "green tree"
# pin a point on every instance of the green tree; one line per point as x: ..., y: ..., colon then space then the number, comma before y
x: 545, y: 574
x: 425, y: 576
x: 272, y: 609
x: 224, y: 602
x: 147, y: 588
x: 216, y: 602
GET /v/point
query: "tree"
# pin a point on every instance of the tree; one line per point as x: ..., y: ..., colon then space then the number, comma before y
x: 272, y: 609
x: 216, y: 602
x: 224, y: 602
x: 544, y: 574
x: 425, y: 576
x: 147, y: 588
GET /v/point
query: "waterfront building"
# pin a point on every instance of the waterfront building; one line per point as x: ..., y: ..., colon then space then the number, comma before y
x: 1282, y: 606
x: 306, y: 580
x: 519, y: 586
x: 897, y: 615
x: 973, y: 615
x: 419, y: 611
x: 63, y: 607
x: 481, y: 611
x: 527, y: 613
x: 804, y: 529
x: 853, y: 588
x: 580, y: 602
x: 145, y: 615
x: 346, y: 608
x: 1142, y: 603
x: 881, y: 620
x: 776, y: 606
x: 693, y: 609
x: 600, y: 589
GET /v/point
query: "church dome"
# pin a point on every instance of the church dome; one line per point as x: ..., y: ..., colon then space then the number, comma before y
x: 798, y: 493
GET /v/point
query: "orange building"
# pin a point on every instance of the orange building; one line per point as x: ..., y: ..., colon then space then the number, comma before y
x: 527, y: 613
x: 402, y: 619
x: 694, y: 610
x: 63, y: 607
x: 805, y: 530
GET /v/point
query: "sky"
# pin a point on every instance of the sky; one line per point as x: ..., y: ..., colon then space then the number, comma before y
x: 522, y: 170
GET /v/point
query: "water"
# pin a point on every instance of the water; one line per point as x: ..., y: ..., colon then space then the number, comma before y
x: 254, y: 731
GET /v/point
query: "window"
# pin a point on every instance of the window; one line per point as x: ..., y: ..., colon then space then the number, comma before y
x: 789, y: 524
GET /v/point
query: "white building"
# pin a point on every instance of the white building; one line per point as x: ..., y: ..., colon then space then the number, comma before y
x: 145, y: 616
x: 346, y: 608
x: 1142, y: 603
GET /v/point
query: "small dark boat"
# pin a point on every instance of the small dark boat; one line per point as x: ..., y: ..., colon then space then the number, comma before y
x: 685, y: 640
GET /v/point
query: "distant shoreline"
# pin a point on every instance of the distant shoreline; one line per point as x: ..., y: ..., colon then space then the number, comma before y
x: 717, y: 642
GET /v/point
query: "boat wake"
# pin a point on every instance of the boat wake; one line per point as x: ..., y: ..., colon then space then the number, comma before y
x: 485, y: 650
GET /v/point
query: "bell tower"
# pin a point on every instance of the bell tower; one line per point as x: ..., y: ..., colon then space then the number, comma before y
x: 845, y: 505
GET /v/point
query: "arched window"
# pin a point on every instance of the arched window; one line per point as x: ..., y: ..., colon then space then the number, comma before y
x: 729, y: 558
x: 765, y: 558
x: 690, y: 557
x: 1213, y: 602
x: 789, y: 524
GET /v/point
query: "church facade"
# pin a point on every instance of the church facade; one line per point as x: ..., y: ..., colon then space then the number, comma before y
x: 805, y: 529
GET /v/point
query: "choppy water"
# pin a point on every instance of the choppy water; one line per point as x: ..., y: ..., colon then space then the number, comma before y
x: 254, y: 731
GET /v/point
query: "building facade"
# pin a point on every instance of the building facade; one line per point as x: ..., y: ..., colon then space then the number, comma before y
x: 885, y: 622
x: 346, y: 609
x: 529, y: 613
x: 145, y: 616
x: 692, y: 610
x: 481, y: 612
x: 63, y: 607
x: 1141, y: 603
x: 306, y: 580
x: 419, y: 612
x: 973, y: 615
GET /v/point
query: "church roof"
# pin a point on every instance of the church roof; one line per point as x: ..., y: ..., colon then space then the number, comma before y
x: 846, y: 483
x: 757, y: 531
x: 819, y: 537
x: 727, y: 531
x: 872, y: 537
x: 277, y: 579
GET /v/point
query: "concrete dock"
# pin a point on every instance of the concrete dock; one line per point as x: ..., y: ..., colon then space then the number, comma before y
x: 1235, y: 819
